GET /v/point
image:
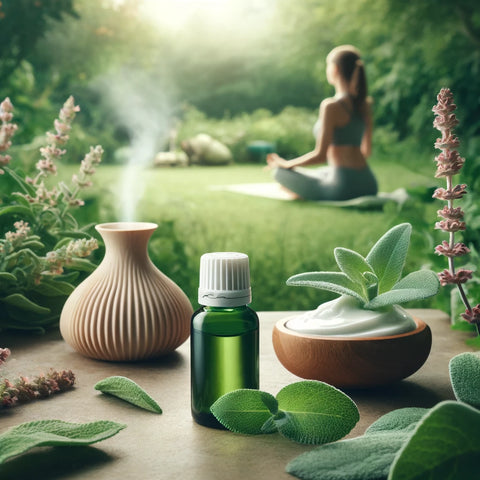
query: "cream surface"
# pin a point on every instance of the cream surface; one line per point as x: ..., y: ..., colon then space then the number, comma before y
x: 342, y: 318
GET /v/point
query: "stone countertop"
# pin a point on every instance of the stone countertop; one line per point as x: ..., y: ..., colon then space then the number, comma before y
x: 172, y: 445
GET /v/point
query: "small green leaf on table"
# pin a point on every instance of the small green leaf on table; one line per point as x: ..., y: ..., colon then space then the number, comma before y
x: 316, y: 412
x: 306, y: 412
x: 128, y: 390
x: 246, y: 411
x: 52, y: 433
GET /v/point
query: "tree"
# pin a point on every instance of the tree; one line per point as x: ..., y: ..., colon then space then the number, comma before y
x: 22, y: 24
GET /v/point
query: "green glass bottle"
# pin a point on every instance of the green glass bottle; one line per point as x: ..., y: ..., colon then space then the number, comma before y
x: 224, y: 334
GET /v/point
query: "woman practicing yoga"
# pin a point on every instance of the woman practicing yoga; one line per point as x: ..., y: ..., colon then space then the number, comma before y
x: 343, y: 135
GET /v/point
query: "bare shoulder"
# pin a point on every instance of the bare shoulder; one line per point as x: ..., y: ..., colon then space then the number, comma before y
x: 328, y: 105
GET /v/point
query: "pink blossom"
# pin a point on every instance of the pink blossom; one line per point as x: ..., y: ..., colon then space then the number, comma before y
x: 449, y: 162
x: 461, y: 276
x: 448, y: 140
x: 450, y: 225
x: 6, y: 105
x: 68, y: 111
x: 61, y: 127
x: 472, y: 315
x: 457, y: 250
x: 81, y: 183
x: 46, y: 166
x: 445, y: 103
x: 456, y: 193
x: 445, y: 122
x: 4, y: 354
x: 451, y: 213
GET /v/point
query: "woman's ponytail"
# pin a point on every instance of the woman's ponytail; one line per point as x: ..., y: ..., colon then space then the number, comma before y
x: 350, y: 65
x: 358, y: 84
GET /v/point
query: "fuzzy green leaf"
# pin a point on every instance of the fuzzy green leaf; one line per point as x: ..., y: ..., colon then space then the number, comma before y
x: 465, y: 377
x: 387, y: 256
x: 49, y: 433
x: 53, y: 288
x: 246, y: 411
x: 415, y: 286
x: 128, y: 390
x: 26, y: 187
x: 360, y: 458
x: 368, y: 457
x: 352, y: 264
x: 82, y: 264
x: 7, y: 277
x: 19, y: 210
x: 336, y: 282
x: 445, y: 445
x: 315, y: 412
x: 400, y: 420
x: 20, y: 301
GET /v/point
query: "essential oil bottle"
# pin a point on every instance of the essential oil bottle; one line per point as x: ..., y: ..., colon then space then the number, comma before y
x: 224, y: 334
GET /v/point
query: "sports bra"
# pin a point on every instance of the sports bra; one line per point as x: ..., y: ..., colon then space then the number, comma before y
x: 350, y: 134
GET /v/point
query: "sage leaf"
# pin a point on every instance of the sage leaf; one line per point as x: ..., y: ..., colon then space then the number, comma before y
x: 352, y: 264
x: 246, y: 411
x: 128, y: 390
x: 400, y: 420
x: 53, y: 288
x: 315, y: 412
x: 415, y: 286
x: 50, y: 433
x: 20, y: 301
x: 336, y: 282
x: 360, y: 458
x: 445, y: 445
x: 387, y: 257
x: 368, y: 457
x: 465, y: 377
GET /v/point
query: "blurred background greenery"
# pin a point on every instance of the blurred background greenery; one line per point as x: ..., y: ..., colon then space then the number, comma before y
x: 242, y: 71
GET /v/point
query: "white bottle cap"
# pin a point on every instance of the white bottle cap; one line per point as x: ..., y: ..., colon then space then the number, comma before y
x: 224, y: 280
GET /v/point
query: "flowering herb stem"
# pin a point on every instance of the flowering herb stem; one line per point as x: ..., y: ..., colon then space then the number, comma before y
x: 449, y: 163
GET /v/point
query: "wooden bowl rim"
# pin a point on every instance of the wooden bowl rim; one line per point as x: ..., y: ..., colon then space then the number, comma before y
x: 282, y: 329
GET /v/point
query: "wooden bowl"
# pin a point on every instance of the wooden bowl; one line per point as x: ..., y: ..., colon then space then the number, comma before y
x: 352, y: 362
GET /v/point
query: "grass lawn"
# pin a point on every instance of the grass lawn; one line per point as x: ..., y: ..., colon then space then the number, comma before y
x: 281, y: 238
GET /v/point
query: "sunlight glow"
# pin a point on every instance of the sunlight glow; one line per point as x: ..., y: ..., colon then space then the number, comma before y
x: 176, y: 14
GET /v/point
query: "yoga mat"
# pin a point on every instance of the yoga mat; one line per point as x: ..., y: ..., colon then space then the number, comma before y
x: 274, y: 190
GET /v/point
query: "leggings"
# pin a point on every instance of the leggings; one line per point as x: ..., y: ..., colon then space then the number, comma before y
x: 328, y: 183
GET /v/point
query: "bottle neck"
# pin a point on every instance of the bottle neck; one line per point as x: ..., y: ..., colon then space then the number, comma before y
x: 208, y: 308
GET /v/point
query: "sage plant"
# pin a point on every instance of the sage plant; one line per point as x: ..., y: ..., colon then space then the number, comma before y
x: 46, y: 239
x: 449, y: 163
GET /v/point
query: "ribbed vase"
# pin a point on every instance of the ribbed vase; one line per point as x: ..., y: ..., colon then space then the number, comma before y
x: 127, y: 309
